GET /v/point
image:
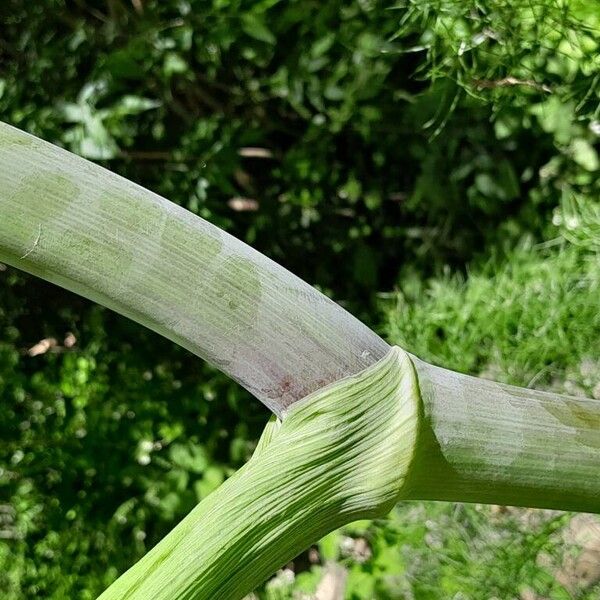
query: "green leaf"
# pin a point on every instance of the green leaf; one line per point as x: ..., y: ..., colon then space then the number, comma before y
x: 256, y: 28
x: 174, y: 64
x: 133, y: 105
x: 555, y: 117
x: 329, y: 546
x: 212, y: 479
x: 322, y: 45
x: 189, y: 457
x: 584, y: 154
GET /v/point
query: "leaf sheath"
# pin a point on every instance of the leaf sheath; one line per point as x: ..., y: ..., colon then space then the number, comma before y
x: 339, y: 455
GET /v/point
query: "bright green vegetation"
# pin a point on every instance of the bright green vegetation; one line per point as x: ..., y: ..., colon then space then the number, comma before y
x: 530, y: 320
x: 374, y: 185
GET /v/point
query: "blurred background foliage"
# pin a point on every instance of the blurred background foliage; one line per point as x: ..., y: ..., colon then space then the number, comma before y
x: 433, y: 165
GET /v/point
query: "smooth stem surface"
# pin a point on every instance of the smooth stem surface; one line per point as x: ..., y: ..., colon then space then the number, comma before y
x: 482, y: 441
x: 80, y: 226
x: 339, y: 455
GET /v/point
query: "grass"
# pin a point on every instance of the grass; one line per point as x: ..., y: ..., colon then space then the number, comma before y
x: 534, y: 321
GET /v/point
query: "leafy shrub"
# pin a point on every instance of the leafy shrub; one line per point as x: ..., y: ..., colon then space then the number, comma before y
x: 345, y: 131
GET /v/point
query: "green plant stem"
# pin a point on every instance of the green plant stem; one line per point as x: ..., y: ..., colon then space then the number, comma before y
x: 482, y: 441
x: 84, y: 228
x: 399, y: 429
x: 338, y: 455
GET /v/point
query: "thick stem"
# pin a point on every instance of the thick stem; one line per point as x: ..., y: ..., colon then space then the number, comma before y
x: 482, y: 441
x: 346, y: 451
x: 80, y: 226
x: 339, y: 455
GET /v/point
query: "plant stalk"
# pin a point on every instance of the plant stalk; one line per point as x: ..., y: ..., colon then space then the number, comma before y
x: 482, y: 441
x: 346, y: 447
x: 84, y: 228
x: 338, y: 455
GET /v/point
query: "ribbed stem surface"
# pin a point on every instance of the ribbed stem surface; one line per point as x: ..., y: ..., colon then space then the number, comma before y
x: 339, y: 455
x: 482, y: 441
